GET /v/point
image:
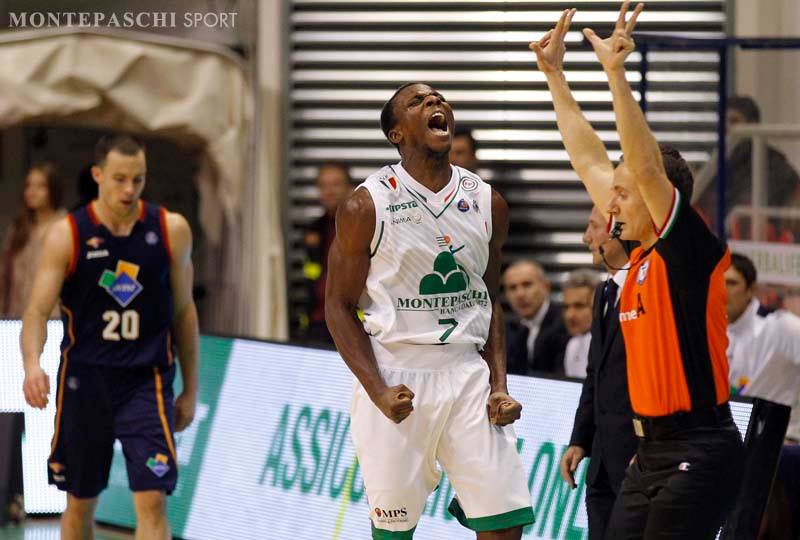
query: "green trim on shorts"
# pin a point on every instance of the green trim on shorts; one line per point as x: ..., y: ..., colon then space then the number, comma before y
x: 381, y: 534
x: 515, y: 518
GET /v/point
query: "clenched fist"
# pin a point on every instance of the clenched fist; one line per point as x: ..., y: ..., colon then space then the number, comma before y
x: 503, y: 409
x: 395, y: 402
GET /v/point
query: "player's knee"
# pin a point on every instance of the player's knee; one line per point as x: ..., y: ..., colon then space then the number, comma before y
x: 150, y: 504
x: 81, y: 508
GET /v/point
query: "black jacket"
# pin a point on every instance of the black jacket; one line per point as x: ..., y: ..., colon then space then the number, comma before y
x: 548, y: 348
x: 603, y: 422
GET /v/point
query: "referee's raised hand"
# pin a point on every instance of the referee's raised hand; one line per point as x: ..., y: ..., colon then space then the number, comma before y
x: 612, y: 51
x: 550, y: 48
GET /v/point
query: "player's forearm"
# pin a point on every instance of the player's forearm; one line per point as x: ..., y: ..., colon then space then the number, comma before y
x: 187, y: 338
x: 494, y: 351
x: 353, y: 344
x: 32, y: 338
x: 582, y: 143
x: 639, y: 146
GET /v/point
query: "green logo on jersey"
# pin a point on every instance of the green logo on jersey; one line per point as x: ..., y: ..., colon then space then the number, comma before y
x: 447, y: 277
x: 445, y: 290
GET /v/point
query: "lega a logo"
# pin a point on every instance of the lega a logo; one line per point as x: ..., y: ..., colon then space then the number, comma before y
x: 642, y: 275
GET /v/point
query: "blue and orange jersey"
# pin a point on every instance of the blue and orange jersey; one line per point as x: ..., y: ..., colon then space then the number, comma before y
x: 673, y: 317
x: 117, y: 297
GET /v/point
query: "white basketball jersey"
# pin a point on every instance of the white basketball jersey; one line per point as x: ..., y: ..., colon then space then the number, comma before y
x: 428, y: 256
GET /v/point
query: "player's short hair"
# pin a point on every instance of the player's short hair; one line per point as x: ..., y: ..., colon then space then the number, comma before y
x: 467, y: 132
x: 124, y: 144
x: 388, y: 116
x: 582, y: 278
x: 747, y: 106
x: 339, y: 165
x: 744, y: 266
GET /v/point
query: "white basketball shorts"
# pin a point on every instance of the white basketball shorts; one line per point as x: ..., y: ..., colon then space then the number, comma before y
x: 449, y: 425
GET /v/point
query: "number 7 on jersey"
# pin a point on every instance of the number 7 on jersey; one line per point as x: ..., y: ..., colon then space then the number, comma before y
x: 452, y: 323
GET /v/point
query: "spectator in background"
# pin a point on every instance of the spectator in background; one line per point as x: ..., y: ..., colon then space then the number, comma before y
x: 764, y: 354
x: 41, y: 207
x: 463, y: 151
x: 536, y: 341
x: 334, y: 185
x: 763, y: 349
x: 578, y: 297
x: 782, y: 183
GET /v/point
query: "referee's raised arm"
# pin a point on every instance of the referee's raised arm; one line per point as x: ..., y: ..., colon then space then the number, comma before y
x: 639, y: 147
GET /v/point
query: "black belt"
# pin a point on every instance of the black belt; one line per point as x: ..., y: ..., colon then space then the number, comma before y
x: 653, y: 428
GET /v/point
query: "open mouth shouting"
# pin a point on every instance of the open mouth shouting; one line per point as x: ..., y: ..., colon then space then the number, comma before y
x: 437, y: 123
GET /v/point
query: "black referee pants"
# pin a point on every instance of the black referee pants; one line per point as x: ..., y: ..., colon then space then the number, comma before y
x: 681, y: 487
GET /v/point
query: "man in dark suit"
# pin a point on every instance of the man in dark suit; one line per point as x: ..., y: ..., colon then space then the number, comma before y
x: 603, y: 428
x: 537, y: 340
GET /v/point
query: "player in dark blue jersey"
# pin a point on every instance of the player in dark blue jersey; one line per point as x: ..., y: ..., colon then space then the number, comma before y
x: 122, y: 271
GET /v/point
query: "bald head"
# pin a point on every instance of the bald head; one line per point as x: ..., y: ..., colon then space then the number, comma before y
x: 526, y: 287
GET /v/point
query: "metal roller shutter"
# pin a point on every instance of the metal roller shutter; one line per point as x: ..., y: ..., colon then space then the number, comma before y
x: 346, y: 57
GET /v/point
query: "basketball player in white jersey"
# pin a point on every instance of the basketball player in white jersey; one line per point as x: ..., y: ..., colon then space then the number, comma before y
x: 418, y: 249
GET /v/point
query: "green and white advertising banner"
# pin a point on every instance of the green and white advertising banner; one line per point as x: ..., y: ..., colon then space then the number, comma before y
x: 269, y: 455
x: 280, y: 462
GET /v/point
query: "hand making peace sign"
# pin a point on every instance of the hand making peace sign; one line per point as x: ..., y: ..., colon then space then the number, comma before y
x: 612, y: 51
x: 550, y: 48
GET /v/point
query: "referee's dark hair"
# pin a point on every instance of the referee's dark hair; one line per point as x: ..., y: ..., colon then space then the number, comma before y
x: 744, y: 266
x: 388, y: 118
x: 747, y: 106
x: 677, y: 170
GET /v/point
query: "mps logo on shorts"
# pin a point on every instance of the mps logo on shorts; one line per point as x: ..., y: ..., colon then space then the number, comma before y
x: 399, y: 515
x: 158, y: 465
x: 122, y: 284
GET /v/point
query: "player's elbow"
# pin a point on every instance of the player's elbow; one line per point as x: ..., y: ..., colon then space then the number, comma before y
x: 337, y: 309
